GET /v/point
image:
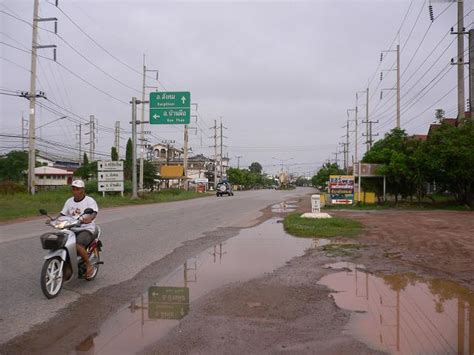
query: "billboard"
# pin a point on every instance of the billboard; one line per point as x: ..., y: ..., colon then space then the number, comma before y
x: 341, y: 189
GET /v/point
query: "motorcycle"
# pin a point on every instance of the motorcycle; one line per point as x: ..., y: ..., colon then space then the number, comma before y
x: 62, y: 261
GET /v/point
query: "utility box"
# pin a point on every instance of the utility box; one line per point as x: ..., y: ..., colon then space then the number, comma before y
x: 316, y: 203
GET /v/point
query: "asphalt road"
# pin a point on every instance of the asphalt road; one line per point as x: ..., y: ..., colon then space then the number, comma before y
x: 133, y: 238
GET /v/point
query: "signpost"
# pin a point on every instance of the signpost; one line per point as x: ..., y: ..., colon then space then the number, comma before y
x: 110, y: 176
x: 170, y: 107
x: 168, y: 302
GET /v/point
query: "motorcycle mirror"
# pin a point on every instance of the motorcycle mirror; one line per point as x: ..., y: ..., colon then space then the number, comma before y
x: 88, y: 211
x: 43, y: 212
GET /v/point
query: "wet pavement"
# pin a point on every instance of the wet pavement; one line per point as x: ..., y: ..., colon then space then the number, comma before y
x: 145, y: 320
x: 285, y: 207
x: 403, y: 314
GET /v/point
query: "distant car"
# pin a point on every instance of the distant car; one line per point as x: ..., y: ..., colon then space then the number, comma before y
x: 224, y: 188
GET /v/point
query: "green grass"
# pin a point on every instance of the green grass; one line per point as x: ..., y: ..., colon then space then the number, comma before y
x: 19, y: 205
x: 322, y: 228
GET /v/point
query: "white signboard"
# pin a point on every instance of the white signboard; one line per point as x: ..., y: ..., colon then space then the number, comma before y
x: 110, y: 176
x: 110, y: 165
x: 315, y: 203
x: 111, y: 186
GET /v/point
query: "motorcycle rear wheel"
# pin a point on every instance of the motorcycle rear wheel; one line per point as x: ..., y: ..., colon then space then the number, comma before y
x: 52, y: 277
x: 94, y: 259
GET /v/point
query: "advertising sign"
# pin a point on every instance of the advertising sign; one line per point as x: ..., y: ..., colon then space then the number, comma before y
x: 341, y: 189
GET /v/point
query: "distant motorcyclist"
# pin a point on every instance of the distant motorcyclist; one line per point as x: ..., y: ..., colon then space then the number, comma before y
x: 74, y: 207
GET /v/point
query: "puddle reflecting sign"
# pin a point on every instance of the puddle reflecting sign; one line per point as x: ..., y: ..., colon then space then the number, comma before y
x: 168, y: 302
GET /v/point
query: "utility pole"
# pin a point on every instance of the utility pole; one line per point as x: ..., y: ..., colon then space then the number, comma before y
x: 117, y: 138
x: 24, y: 131
x: 397, y: 88
x: 460, y: 34
x: 142, y: 121
x: 222, y: 154
x: 471, y: 73
x: 134, y: 148
x: 367, y: 117
x: 32, y: 98
x: 32, y: 94
x: 91, y: 138
x: 185, y: 156
x: 370, y: 135
x: 215, y: 152
x: 79, y: 127
x: 238, y: 160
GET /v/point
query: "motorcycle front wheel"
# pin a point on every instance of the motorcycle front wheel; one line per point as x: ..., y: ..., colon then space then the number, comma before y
x: 52, y: 277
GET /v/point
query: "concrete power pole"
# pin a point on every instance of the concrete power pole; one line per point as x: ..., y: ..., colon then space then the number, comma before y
x: 460, y: 34
x: 185, y: 156
x: 91, y: 138
x: 134, y: 148
x: 367, y: 118
x: 79, y: 127
x: 32, y: 98
x: 215, y: 152
x: 222, y: 154
x: 398, y: 87
x: 32, y: 94
x: 142, y: 121
x: 117, y: 138
x: 471, y: 73
x: 238, y: 160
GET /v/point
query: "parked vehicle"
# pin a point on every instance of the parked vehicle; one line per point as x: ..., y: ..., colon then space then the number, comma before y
x: 224, y: 188
x: 62, y: 261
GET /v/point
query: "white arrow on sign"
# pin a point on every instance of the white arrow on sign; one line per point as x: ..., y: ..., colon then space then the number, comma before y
x: 155, y: 116
x: 183, y: 99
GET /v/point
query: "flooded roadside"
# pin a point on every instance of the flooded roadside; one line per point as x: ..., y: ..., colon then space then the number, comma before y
x: 403, y: 313
x: 146, y: 319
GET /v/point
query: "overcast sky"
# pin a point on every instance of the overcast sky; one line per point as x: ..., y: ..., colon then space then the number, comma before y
x: 280, y: 74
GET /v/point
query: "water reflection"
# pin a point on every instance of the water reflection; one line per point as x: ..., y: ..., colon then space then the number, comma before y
x: 403, y: 313
x: 252, y: 253
x: 284, y: 207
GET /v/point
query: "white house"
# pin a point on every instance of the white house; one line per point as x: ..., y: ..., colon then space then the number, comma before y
x: 49, y: 178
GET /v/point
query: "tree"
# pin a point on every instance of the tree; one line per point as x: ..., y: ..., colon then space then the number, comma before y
x: 13, y: 166
x: 397, y: 154
x: 128, y: 160
x: 86, y: 172
x: 256, y: 168
x: 447, y: 158
x: 85, y: 159
x: 114, y: 154
x: 149, y: 175
x: 321, y: 179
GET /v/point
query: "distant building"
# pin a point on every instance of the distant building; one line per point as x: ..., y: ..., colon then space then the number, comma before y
x: 47, y: 177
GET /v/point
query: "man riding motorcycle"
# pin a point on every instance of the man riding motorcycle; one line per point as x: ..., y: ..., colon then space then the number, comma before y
x: 74, y: 207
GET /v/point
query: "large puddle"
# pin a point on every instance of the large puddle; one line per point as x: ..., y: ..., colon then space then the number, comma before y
x: 146, y: 319
x: 404, y: 314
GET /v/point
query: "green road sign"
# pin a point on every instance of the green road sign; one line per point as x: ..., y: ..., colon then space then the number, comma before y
x: 170, y: 107
x: 168, y: 295
x: 167, y: 311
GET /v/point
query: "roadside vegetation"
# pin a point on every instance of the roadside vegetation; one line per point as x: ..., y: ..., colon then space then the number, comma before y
x: 21, y: 204
x: 438, y: 171
x: 321, y: 228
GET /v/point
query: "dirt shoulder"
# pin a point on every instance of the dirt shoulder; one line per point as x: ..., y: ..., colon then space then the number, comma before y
x: 432, y: 243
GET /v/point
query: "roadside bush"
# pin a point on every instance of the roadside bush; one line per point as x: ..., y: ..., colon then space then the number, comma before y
x: 11, y: 187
